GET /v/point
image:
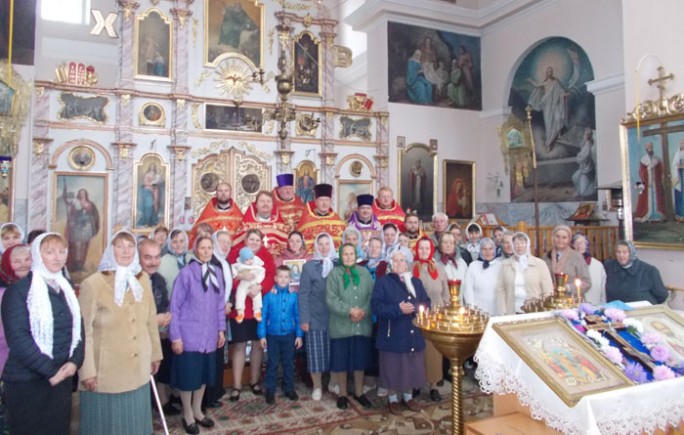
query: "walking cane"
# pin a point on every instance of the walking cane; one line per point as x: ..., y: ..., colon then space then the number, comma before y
x: 159, y: 405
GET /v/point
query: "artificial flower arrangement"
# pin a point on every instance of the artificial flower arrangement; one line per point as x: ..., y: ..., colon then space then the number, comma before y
x: 655, y: 363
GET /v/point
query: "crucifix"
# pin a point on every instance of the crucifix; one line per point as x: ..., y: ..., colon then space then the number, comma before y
x: 611, y: 329
x: 660, y: 81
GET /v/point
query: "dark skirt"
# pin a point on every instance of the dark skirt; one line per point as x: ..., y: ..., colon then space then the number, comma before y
x: 215, y: 392
x: 34, y: 407
x: 164, y: 373
x: 243, y: 332
x: 350, y: 354
x: 402, y: 372
x: 317, y: 345
x: 116, y: 413
x: 191, y: 370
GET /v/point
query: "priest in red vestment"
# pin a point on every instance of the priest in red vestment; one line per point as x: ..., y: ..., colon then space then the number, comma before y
x: 386, y: 209
x: 364, y: 220
x: 319, y: 218
x: 262, y: 215
x: 221, y: 212
x: 288, y: 204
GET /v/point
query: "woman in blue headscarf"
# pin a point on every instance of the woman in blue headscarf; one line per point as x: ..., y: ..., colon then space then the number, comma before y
x: 630, y: 279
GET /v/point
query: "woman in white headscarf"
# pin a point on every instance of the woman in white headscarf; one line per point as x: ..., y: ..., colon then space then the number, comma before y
x: 479, y: 285
x: 313, y: 311
x: 176, y: 259
x: 522, y: 277
x: 122, y: 343
x: 43, y: 328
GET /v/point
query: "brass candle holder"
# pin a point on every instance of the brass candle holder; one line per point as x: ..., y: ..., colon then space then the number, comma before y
x: 561, y: 298
x: 455, y: 331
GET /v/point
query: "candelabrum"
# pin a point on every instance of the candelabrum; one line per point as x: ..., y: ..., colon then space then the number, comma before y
x: 455, y: 331
x: 559, y: 300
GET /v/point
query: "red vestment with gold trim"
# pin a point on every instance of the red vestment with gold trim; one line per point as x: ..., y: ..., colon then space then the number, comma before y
x: 229, y: 219
x: 291, y: 211
x: 395, y: 214
x: 311, y: 225
x: 274, y: 229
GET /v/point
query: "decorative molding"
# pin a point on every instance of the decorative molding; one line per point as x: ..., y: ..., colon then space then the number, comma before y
x: 81, y: 142
x: 40, y: 146
x: 129, y: 7
x: 503, y: 112
x: 179, y: 151
x: 181, y: 15
x: 123, y: 149
x: 606, y: 85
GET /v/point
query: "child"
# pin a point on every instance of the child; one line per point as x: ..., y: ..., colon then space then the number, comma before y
x: 10, y: 234
x: 278, y: 331
x: 249, y: 263
x: 405, y: 240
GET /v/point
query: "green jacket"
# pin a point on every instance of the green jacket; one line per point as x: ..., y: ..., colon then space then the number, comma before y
x: 340, y: 300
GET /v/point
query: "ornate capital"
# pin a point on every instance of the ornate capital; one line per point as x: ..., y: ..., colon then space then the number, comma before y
x: 123, y: 149
x: 40, y: 146
x: 179, y: 151
x: 285, y: 156
x: 181, y: 15
x: 328, y: 159
x: 129, y: 7
x: 382, y: 160
x: 180, y: 103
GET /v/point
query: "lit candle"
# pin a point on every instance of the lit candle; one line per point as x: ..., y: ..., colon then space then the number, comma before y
x: 461, y: 311
x: 578, y: 285
x: 421, y: 313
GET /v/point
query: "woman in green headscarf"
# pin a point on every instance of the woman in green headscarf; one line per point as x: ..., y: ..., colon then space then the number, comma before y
x: 348, y: 292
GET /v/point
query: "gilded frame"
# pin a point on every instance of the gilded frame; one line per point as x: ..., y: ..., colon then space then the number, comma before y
x: 7, y: 191
x: 654, y: 215
x: 458, y: 189
x: 157, y: 189
x: 671, y: 329
x: 73, y: 107
x: 214, y: 14
x: 529, y: 338
x: 406, y: 160
x: 155, y: 38
x: 217, y: 118
x: 346, y: 192
x: 301, y: 59
x: 304, y: 186
x: 96, y: 187
x: 81, y: 158
x: 153, y: 114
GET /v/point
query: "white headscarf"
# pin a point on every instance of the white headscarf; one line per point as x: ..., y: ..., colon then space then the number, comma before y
x: 326, y: 261
x: 222, y: 257
x: 39, y: 307
x: 21, y: 234
x: 124, y: 278
x: 523, y: 260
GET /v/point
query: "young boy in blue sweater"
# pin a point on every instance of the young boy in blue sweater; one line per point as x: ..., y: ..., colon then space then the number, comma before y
x: 279, y: 332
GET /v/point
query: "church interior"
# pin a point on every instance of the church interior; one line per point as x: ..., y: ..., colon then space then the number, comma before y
x: 521, y: 113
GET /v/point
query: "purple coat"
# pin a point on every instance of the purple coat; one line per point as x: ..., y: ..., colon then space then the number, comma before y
x: 197, y: 316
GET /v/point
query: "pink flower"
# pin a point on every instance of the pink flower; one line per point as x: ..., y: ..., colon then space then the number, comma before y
x: 613, y: 354
x: 660, y: 353
x: 580, y: 328
x: 651, y: 339
x: 661, y: 373
x: 570, y: 314
x: 615, y: 315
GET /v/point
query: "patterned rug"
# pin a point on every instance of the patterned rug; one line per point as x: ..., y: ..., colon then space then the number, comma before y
x: 251, y: 415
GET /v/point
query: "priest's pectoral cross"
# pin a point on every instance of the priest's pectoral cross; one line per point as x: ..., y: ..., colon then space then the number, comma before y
x: 596, y: 323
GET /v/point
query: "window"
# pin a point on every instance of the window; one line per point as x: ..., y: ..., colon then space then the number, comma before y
x: 66, y: 11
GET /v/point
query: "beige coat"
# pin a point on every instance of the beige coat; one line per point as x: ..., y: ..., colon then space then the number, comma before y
x: 573, y: 264
x: 538, y: 283
x: 120, y: 342
x: 436, y: 289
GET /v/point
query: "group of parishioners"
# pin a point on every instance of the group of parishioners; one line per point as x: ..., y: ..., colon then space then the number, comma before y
x: 157, y: 307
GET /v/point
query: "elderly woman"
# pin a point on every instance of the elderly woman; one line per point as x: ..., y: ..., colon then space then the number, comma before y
x: 198, y: 326
x: 434, y: 279
x: 390, y: 234
x: 43, y: 327
x: 16, y: 264
x: 597, y: 292
x: 455, y: 229
x: 479, y: 286
x: 353, y: 236
x: 449, y: 256
x: 563, y: 259
x: 122, y: 346
x: 375, y: 263
x: 630, y: 279
x: 348, y: 293
x: 245, y: 332
x: 10, y: 234
x: 395, y: 301
x: 522, y: 277
x: 313, y: 311
x: 176, y: 259
x: 295, y: 251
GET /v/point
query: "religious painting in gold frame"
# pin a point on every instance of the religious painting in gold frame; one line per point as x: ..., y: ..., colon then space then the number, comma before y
x: 566, y: 363
x: 305, y: 178
x: 150, y: 192
x: 79, y: 213
x: 6, y: 189
x: 458, y: 190
x: 417, y: 185
x: 81, y: 158
x: 653, y: 178
x: 306, y: 55
x: 669, y: 325
x: 153, y: 52
x: 234, y: 28
x: 152, y: 113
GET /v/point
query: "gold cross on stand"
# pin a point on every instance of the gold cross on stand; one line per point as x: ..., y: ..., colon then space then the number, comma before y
x: 660, y: 81
x: 596, y: 323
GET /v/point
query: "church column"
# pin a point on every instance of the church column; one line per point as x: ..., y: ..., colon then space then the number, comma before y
x: 127, y: 44
x: 123, y: 175
x: 382, y: 151
x: 181, y: 31
x: 39, y: 183
x: 328, y: 62
x: 179, y: 177
x: 123, y: 130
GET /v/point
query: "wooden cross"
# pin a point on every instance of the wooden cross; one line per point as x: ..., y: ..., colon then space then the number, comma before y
x: 596, y: 323
x: 660, y: 81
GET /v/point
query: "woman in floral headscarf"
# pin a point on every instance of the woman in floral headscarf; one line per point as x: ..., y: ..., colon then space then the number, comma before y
x: 122, y: 343
x: 630, y: 279
x: 348, y: 293
x: 434, y: 279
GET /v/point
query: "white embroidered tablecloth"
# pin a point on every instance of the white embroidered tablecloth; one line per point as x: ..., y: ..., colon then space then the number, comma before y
x: 633, y: 410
